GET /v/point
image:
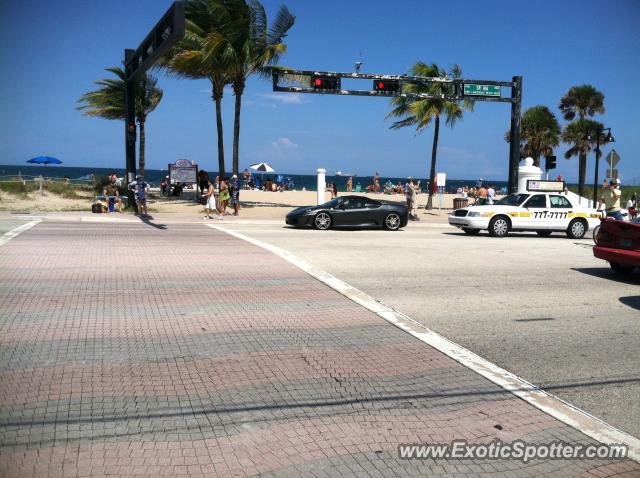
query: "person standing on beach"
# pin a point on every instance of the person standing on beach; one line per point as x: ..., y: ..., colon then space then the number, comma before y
x: 234, y: 191
x: 376, y: 183
x: 408, y: 187
x: 350, y: 184
x: 491, y: 195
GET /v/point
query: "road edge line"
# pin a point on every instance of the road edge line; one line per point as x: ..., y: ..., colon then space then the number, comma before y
x: 535, y: 396
x: 7, y: 236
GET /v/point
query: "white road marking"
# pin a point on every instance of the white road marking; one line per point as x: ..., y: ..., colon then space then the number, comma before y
x: 535, y: 396
x: 7, y: 236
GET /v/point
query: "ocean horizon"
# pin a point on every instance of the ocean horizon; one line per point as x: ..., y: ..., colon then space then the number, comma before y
x: 300, y: 181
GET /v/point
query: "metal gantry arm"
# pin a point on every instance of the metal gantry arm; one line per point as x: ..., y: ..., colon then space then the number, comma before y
x: 457, y: 94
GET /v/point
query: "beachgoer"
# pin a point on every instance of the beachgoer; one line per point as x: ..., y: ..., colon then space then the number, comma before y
x: 491, y: 195
x: 223, y: 199
x: 334, y: 190
x: 408, y: 188
x: 234, y: 190
x: 140, y: 187
x: 350, y: 184
x: 481, y: 195
x: 112, y: 195
x: 632, y: 206
x: 376, y: 183
x: 164, y: 184
x: 414, y: 202
x: 203, y: 180
x: 210, y: 205
x: 611, y: 199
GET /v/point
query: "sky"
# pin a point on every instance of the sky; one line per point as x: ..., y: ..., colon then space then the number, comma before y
x: 52, y: 51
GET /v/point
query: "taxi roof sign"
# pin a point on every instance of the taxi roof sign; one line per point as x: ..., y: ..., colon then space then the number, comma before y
x: 539, y: 185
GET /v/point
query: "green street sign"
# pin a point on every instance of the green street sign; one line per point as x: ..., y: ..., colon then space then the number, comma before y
x: 481, y: 90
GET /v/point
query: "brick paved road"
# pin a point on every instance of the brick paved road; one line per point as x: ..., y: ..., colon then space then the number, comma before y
x: 128, y: 349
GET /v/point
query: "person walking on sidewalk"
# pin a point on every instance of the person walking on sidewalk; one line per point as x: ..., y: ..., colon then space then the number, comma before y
x: 234, y: 191
x: 223, y: 200
x: 210, y: 205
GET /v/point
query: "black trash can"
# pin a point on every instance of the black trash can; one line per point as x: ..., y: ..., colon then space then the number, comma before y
x: 460, y: 203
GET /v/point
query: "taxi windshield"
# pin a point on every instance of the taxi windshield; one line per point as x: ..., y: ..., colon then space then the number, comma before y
x: 512, y: 200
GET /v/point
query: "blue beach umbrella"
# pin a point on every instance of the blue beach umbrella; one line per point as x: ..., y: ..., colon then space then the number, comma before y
x: 44, y: 160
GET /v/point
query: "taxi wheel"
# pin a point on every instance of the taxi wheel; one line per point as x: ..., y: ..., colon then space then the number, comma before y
x: 471, y: 232
x: 577, y: 229
x: 499, y: 226
x: 543, y: 233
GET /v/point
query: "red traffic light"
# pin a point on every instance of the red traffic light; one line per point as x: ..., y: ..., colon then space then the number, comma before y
x: 386, y: 86
x: 325, y: 82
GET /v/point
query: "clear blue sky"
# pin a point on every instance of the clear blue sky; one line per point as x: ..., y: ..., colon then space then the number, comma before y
x: 52, y: 51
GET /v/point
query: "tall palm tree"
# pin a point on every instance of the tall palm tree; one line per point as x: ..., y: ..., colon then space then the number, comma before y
x: 581, y: 135
x: 420, y: 112
x: 247, y: 45
x: 583, y: 101
x: 539, y: 133
x: 195, y: 58
x: 109, y: 102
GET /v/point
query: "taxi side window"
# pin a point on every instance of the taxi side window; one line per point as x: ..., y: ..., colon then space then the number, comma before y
x: 538, y: 200
x: 559, y: 202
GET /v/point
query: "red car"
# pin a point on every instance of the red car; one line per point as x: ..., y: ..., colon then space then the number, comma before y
x: 619, y: 243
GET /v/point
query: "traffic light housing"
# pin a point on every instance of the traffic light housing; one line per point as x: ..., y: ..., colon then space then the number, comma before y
x: 319, y: 82
x: 550, y: 162
x: 386, y: 86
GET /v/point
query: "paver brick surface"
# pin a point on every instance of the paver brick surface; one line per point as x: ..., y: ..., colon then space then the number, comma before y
x: 128, y: 349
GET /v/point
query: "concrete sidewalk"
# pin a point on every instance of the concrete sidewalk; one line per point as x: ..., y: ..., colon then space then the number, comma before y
x: 151, y: 349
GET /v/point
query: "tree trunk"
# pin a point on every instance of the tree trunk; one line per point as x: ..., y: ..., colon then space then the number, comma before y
x: 238, y: 90
x: 432, y: 173
x: 142, y: 147
x: 582, y: 174
x: 218, y: 101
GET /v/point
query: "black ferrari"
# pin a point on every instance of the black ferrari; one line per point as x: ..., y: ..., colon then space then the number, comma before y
x: 351, y: 211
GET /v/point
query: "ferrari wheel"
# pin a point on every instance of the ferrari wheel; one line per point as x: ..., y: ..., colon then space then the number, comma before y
x: 322, y: 221
x: 392, y: 222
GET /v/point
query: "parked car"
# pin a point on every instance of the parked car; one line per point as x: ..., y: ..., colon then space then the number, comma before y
x: 543, y: 213
x: 618, y: 243
x: 350, y: 211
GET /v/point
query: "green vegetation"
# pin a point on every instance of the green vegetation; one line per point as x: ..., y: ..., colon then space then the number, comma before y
x: 581, y: 101
x: 226, y: 42
x: 420, y: 112
x: 108, y: 102
x: 539, y: 133
x: 17, y: 187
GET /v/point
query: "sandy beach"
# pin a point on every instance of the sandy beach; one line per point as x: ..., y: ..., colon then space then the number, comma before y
x: 255, y: 204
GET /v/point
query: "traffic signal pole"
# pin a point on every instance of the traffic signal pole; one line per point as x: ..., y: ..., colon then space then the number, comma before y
x: 130, y: 122
x: 328, y: 82
x: 514, y: 140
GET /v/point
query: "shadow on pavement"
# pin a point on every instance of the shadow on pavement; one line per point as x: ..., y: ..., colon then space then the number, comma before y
x: 606, y: 273
x: 632, y: 301
x: 322, y: 403
x: 147, y: 220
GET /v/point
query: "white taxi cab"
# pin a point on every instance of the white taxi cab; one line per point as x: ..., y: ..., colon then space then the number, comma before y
x: 541, y: 212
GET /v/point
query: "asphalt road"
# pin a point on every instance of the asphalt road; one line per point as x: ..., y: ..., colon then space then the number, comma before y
x: 542, y: 308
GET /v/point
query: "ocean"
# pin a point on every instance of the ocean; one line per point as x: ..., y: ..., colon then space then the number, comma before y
x: 300, y: 181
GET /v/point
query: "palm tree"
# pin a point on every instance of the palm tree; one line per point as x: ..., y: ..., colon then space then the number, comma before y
x: 539, y: 133
x: 420, y: 112
x: 580, y: 134
x: 582, y: 101
x: 247, y: 45
x: 194, y: 58
x: 109, y: 102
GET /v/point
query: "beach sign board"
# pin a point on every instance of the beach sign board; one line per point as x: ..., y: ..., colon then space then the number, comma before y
x: 183, y: 171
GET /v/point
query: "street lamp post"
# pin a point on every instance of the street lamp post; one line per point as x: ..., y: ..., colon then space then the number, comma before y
x: 608, y: 139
